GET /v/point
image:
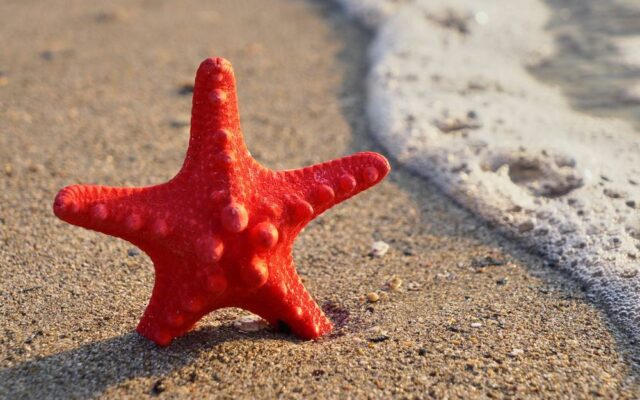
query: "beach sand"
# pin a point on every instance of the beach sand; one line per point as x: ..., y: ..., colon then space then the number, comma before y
x: 98, y: 93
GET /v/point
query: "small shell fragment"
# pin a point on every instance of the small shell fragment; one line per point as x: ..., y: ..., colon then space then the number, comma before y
x: 373, y: 297
x: 379, y: 248
x: 394, y: 284
x: 249, y: 323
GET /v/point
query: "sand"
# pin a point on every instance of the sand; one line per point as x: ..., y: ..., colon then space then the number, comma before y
x: 91, y: 94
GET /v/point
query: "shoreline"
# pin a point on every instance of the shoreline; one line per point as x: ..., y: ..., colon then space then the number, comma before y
x: 463, y: 110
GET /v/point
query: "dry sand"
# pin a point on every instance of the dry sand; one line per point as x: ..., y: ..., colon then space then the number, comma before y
x: 91, y: 93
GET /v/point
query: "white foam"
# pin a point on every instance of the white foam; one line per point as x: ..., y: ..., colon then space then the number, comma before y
x: 450, y: 97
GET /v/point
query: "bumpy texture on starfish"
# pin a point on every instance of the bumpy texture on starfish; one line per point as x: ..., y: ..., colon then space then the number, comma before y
x: 220, y: 233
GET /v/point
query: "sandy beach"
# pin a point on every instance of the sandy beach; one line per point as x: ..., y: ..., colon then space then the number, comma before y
x: 100, y: 93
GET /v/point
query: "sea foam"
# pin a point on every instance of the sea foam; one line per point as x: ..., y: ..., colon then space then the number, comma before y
x: 450, y: 96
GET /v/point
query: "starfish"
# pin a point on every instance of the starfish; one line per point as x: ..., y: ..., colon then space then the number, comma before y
x: 221, y: 232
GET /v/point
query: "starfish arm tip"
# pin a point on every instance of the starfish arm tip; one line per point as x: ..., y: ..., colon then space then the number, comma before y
x: 322, y: 186
x: 376, y: 160
x: 160, y: 338
x: 290, y: 308
x: 65, y: 202
x: 308, y: 323
x: 116, y: 211
x: 359, y: 171
x: 72, y: 200
x: 215, y: 119
x: 214, y: 64
x: 214, y: 82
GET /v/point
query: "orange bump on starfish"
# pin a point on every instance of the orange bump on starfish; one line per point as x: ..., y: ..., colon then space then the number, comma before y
x: 220, y: 233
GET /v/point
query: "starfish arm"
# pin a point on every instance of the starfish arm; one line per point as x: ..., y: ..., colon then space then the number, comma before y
x: 322, y: 186
x: 302, y: 314
x: 286, y: 303
x: 178, y: 301
x: 216, y: 139
x: 163, y: 319
x: 132, y: 214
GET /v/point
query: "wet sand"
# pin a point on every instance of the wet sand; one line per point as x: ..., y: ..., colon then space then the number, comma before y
x: 95, y: 93
x: 595, y: 69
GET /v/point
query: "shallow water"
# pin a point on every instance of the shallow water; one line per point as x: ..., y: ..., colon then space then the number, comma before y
x: 596, y: 42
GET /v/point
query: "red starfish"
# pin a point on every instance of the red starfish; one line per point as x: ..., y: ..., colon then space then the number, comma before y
x: 220, y: 233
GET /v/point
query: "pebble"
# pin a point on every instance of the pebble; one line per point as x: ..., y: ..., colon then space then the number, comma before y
x: 372, y: 297
x: 180, y: 122
x: 158, y: 387
x: 379, y: 248
x: 377, y: 330
x: 185, y: 89
x: 476, y: 324
x: 487, y: 261
x: 525, y: 226
x: 35, y: 168
x: 516, y: 352
x: 446, y: 275
x: 379, y: 339
x: 112, y: 16
x: 395, y: 284
x: 377, y: 334
x: 249, y: 323
x: 614, y: 193
x: 457, y: 124
x: 502, y: 281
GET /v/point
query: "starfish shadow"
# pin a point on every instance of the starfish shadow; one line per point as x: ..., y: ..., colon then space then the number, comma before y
x: 91, y: 369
